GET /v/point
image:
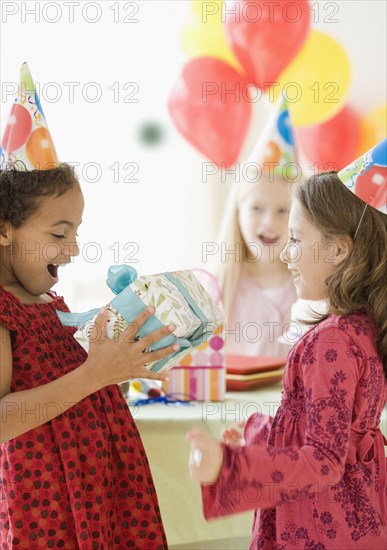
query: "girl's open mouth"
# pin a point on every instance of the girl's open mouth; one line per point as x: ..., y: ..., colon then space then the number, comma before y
x: 53, y: 271
x: 267, y: 241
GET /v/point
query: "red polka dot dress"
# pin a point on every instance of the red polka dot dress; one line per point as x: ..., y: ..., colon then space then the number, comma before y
x: 82, y: 480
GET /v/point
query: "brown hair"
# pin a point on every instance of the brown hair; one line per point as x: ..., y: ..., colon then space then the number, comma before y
x: 360, y: 282
x: 20, y: 190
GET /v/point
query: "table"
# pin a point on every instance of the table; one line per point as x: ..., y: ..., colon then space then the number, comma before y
x: 163, y: 431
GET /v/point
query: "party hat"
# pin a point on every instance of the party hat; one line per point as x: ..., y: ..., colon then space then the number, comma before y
x: 275, y: 151
x: 366, y: 177
x: 26, y: 137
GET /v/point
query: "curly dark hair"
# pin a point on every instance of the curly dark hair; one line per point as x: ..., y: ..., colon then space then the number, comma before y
x: 361, y: 281
x: 20, y: 190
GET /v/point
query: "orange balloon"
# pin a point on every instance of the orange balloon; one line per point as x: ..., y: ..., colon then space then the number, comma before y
x: 40, y: 149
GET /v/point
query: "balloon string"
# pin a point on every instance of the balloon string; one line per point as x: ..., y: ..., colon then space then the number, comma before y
x: 362, y: 216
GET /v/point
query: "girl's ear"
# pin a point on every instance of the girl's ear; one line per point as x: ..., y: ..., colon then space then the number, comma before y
x: 5, y: 234
x: 343, y: 249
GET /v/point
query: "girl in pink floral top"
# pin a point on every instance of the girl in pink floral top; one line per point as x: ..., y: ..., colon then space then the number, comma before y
x: 316, y: 473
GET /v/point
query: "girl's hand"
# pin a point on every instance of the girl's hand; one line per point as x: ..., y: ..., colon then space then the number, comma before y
x: 206, y: 457
x: 233, y: 437
x: 121, y: 359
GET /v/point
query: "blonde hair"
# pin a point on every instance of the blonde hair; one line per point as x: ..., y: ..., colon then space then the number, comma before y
x: 360, y: 282
x: 230, y: 237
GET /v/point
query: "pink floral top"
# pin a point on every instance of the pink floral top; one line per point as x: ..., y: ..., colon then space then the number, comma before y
x: 316, y: 473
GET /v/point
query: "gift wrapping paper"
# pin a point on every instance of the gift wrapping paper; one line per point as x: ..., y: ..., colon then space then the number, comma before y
x: 200, y: 375
x: 178, y: 298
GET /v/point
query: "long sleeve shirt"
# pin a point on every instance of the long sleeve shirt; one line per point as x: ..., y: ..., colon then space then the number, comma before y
x: 316, y: 474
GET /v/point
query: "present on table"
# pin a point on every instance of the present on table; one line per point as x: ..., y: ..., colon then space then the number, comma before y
x: 200, y: 375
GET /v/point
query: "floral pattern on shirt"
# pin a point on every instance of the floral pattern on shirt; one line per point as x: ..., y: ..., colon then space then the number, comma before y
x: 315, y: 491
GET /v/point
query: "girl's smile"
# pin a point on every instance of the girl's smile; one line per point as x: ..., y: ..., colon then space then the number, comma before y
x: 295, y: 274
x: 268, y: 241
x: 53, y: 270
x: 311, y: 256
x: 263, y: 216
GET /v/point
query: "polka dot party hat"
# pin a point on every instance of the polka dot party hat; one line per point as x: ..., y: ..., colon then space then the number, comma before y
x: 26, y: 143
x: 366, y: 177
x: 275, y: 151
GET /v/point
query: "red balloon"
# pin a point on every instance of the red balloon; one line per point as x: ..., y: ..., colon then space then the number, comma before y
x: 210, y: 106
x: 265, y: 36
x: 334, y: 144
x: 18, y: 128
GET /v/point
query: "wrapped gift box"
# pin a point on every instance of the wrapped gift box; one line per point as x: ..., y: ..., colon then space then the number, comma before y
x: 200, y: 375
x: 178, y: 299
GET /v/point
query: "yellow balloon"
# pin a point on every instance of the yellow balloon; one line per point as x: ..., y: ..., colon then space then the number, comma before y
x: 373, y: 128
x: 316, y: 83
x: 207, y: 11
x: 200, y: 39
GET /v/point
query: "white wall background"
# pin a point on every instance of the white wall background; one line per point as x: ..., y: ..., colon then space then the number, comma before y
x: 169, y: 212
